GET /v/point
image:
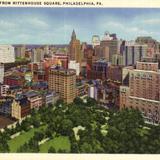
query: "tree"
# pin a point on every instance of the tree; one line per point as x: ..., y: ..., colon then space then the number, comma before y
x: 91, y: 102
x: 86, y: 148
x: 124, y: 129
x: 33, y: 145
x: 38, y: 136
x: 25, y: 125
x: 4, y: 148
x: 153, y: 141
x: 62, y: 151
x: 18, y: 127
x: 36, y: 119
x: 51, y: 150
x: 48, y: 132
x: 59, y: 103
x: 74, y: 147
x: 66, y: 127
x: 78, y: 101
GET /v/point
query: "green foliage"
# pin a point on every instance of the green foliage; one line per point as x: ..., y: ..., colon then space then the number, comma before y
x: 38, y: 136
x: 59, y: 103
x: 25, y: 125
x: 66, y: 127
x: 4, y: 148
x: 78, y: 101
x: 51, y: 150
x: 125, y: 130
x: 91, y: 102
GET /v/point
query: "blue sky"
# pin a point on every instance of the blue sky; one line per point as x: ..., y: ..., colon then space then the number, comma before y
x: 55, y: 25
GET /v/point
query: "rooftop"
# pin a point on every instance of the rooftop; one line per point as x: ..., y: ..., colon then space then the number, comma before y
x: 31, y: 93
x: 63, y: 71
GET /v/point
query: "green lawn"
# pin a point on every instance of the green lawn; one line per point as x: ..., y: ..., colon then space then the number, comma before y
x: 61, y: 142
x: 18, y: 141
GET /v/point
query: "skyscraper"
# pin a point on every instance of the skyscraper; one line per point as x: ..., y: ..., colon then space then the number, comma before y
x: 132, y: 52
x: 63, y: 81
x: 7, y: 54
x: 109, y: 45
x: 95, y: 40
x: 75, y: 48
x: 143, y: 92
x: 20, y: 51
x: 37, y: 55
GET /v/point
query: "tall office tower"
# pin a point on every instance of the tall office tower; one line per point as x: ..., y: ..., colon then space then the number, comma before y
x: 132, y: 52
x: 20, y: 51
x: 95, y: 40
x: 63, y: 81
x: 143, y: 91
x: 153, y: 45
x: 7, y: 54
x: 111, y: 42
x: 37, y: 55
x: 75, y: 48
x: 84, y: 46
x: 46, y: 49
x: 117, y: 59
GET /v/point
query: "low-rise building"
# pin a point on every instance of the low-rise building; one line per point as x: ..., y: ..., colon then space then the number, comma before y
x: 4, y: 90
x: 81, y: 90
x: 13, y: 80
x: 34, y: 98
x: 50, y: 97
x: 20, y: 108
x: 5, y: 106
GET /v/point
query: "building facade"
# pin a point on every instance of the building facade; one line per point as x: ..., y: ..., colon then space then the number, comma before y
x: 75, y: 49
x: 1, y: 72
x: 7, y: 54
x: 74, y: 65
x: 143, y: 92
x: 109, y: 45
x: 99, y: 70
x: 34, y: 98
x: 132, y: 52
x: 20, y: 108
x: 64, y: 82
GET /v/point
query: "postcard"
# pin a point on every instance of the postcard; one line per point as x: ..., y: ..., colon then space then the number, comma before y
x: 79, y: 79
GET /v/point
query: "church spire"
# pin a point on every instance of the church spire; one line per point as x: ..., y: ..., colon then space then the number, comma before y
x: 73, y: 35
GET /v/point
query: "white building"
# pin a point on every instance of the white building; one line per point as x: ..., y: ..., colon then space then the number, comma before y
x: 4, y: 89
x: 7, y: 54
x: 74, y: 65
x: 95, y: 40
x: 1, y: 73
x: 92, y: 92
x: 107, y: 36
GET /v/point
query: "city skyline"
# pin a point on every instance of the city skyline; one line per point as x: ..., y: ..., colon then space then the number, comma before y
x: 55, y: 25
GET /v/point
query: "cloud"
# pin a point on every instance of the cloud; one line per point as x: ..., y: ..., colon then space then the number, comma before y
x: 37, y: 22
x: 43, y: 26
x: 151, y: 21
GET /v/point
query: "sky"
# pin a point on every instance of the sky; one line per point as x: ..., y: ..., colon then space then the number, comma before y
x: 55, y: 25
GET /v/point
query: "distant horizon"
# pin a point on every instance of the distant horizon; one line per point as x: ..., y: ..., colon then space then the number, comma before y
x: 54, y: 26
